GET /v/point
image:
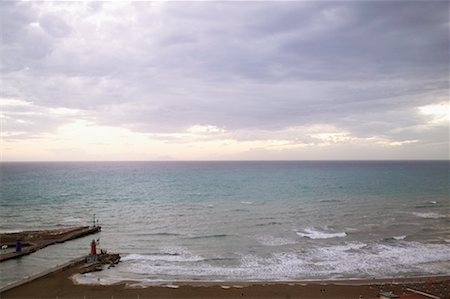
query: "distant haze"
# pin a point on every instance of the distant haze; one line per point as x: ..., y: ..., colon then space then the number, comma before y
x: 224, y: 80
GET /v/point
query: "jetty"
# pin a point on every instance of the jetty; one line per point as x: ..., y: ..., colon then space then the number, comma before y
x: 32, y: 241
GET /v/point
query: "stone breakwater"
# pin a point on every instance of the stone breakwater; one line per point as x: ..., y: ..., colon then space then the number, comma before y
x: 101, y: 260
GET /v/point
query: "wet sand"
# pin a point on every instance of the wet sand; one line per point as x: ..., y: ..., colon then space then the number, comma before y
x: 58, y: 284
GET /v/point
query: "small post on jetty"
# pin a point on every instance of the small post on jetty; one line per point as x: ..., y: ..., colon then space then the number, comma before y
x: 94, y: 221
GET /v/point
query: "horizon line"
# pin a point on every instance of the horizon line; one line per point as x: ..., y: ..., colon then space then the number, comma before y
x: 275, y: 160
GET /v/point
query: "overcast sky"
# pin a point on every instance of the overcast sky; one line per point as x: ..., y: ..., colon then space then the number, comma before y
x: 225, y: 80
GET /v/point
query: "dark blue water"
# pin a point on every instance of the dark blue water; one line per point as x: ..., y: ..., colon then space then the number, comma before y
x: 239, y: 220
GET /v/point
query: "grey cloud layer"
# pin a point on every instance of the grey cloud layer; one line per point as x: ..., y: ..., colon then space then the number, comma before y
x: 161, y: 67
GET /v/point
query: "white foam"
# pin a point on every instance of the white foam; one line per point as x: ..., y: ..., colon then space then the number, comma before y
x: 433, y: 202
x: 399, y: 237
x: 94, y: 279
x: 171, y: 286
x: 349, y: 259
x: 172, y: 254
x: 380, y: 259
x: 135, y: 285
x: 247, y: 202
x: 312, y: 233
x: 72, y: 220
x: 275, y: 241
x: 167, y: 258
x: 350, y: 246
x: 430, y: 215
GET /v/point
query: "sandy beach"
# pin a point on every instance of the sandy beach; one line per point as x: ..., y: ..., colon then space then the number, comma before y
x: 58, y: 284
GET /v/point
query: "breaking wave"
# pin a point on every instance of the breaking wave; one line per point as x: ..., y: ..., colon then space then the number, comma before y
x: 350, y: 259
x: 430, y: 215
x: 312, y: 233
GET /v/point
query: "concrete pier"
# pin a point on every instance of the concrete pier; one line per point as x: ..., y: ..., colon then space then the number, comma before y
x: 34, y: 240
x: 59, y: 268
x: 77, y: 265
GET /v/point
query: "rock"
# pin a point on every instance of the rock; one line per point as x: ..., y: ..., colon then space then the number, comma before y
x: 110, y: 259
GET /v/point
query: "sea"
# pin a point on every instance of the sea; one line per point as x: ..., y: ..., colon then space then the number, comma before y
x: 235, y: 220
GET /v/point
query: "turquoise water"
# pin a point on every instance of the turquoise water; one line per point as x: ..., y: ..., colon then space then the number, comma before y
x: 236, y: 220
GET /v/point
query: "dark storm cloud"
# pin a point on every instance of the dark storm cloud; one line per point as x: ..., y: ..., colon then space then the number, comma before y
x: 161, y: 67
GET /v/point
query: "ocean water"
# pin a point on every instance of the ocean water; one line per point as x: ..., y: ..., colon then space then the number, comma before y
x: 236, y: 221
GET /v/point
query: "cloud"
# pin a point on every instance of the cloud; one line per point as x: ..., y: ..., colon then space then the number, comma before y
x: 439, y: 112
x: 205, y: 129
x: 54, y: 26
x: 239, y: 69
x: 26, y: 120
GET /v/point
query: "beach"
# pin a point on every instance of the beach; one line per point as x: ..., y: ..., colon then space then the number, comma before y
x: 58, y: 284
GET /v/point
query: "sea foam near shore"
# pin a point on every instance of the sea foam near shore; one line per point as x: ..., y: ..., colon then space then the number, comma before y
x: 348, y: 260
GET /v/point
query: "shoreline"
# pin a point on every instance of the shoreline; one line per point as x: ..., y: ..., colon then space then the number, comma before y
x: 343, y: 281
x: 58, y: 282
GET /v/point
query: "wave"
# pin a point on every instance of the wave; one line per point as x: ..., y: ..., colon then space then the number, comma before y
x: 350, y: 259
x: 312, y: 233
x: 427, y: 205
x: 210, y: 236
x: 350, y: 246
x: 380, y: 259
x: 163, y: 234
x: 422, y: 206
x: 396, y: 238
x: 247, y: 202
x: 219, y: 259
x: 430, y: 215
x: 240, y: 210
x: 269, y: 223
x: 275, y: 241
x: 72, y: 220
x: 164, y: 256
x: 267, y: 218
x: 330, y: 200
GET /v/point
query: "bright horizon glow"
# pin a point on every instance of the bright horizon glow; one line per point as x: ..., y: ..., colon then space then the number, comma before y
x: 86, y: 141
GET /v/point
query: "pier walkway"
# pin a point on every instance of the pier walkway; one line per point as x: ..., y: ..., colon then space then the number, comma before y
x: 32, y: 241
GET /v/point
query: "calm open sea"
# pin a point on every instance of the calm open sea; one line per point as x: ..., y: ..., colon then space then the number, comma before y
x: 236, y: 220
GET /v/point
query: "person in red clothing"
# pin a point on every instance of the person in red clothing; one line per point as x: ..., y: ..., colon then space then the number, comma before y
x: 93, y: 248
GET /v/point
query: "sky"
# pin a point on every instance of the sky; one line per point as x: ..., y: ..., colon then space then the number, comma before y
x: 291, y: 80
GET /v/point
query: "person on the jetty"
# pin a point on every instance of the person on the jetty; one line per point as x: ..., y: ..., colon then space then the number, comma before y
x: 18, y: 246
x: 93, y: 248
